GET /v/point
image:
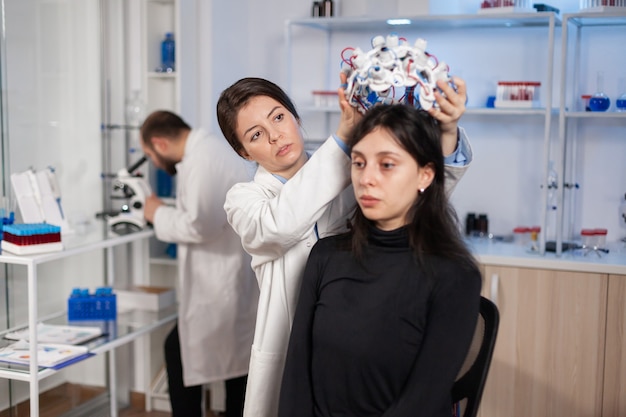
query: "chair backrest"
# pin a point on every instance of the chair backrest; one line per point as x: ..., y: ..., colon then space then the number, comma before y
x: 468, y: 387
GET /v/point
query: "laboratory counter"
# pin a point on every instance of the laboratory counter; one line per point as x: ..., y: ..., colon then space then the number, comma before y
x: 557, y: 314
x: 489, y: 252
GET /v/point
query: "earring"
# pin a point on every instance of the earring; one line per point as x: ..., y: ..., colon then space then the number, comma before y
x: 421, y: 190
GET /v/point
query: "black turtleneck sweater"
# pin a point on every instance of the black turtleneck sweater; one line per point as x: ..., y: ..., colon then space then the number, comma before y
x: 380, y: 336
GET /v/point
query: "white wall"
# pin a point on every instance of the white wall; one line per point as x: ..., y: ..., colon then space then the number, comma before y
x: 505, y: 179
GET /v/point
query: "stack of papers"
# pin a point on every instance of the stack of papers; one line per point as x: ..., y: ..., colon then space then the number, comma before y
x: 49, y: 355
x: 58, y: 334
x: 57, y: 345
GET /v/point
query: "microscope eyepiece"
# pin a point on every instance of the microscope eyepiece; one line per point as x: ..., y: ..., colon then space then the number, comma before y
x: 137, y: 164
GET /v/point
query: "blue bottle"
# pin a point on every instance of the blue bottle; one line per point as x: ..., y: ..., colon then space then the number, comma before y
x: 168, y: 53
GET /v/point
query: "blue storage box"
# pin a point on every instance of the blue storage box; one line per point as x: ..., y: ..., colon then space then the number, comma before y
x: 101, y: 305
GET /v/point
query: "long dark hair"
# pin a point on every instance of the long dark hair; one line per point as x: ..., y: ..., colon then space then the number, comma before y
x: 237, y: 96
x: 433, y: 226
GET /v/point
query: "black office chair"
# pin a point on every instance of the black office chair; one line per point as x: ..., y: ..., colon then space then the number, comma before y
x: 468, y: 387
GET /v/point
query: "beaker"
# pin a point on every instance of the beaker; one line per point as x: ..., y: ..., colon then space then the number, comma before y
x: 521, y: 235
x: 620, y: 103
x: 599, y: 101
x: 587, y: 238
x: 600, y: 238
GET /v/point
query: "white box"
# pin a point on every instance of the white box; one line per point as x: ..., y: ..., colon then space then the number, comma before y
x: 145, y: 298
x: 31, y: 249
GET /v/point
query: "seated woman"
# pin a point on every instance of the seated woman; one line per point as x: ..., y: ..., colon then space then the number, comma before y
x: 387, y: 311
x: 294, y: 199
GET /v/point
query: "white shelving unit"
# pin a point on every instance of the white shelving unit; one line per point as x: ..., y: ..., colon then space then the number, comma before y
x: 128, y: 327
x: 571, y: 116
x: 327, y: 30
x: 162, y: 92
x: 162, y: 89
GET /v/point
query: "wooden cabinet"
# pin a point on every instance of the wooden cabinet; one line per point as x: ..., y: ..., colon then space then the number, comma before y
x: 614, y: 401
x: 550, y: 353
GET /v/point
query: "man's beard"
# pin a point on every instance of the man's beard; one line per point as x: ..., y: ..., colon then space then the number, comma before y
x: 167, y: 165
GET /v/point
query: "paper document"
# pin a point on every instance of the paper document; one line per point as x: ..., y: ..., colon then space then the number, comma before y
x: 52, y: 333
x: 48, y: 355
x: 37, y: 200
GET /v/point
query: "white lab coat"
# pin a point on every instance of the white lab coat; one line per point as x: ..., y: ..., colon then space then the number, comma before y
x: 276, y: 223
x: 217, y: 291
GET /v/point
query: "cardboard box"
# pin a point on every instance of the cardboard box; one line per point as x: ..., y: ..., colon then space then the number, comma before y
x: 145, y: 298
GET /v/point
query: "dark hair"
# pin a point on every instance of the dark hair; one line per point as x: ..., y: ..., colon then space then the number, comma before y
x: 432, y: 222
x: 237, y: 96
x: 162, y: 123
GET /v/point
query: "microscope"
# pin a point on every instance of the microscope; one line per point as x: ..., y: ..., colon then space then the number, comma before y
x: 135, y: 189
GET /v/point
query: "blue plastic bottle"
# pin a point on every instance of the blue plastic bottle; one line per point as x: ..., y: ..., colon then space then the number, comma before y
x: 168, y: 53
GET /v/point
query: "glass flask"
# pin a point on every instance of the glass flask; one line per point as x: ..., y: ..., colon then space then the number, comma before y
x: 599, y: 101
x: 135, y: 109
x: 620, y: 103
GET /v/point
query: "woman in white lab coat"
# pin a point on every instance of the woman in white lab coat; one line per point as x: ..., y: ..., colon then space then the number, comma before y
x: 293, y: 201
x: 217, y: 291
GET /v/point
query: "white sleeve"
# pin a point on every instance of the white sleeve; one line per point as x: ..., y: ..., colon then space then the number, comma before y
x: 269, y: 225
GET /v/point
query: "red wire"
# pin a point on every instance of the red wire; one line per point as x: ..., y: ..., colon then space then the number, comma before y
x: 433, y: 57
x: 343, y: 58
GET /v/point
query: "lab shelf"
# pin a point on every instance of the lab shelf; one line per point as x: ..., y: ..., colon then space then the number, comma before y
x: 590, y: 19
x: 538, y: 19
x: 128, y: 327
x: 535, y: 111
x: 163, y: 91
x: 570, y: 65
x: 333, y: 28
x: 437, y: 22
x: 162, y: 260
x: 75, y: 245
x: 163, y: 75
x: 595, y: 115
